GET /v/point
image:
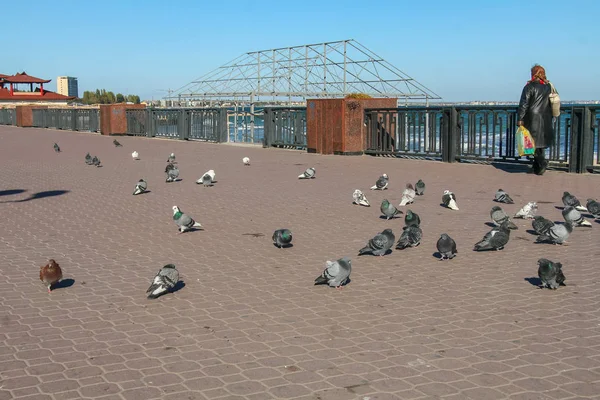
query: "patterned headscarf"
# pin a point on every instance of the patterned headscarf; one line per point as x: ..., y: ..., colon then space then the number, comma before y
x: 538, y: 73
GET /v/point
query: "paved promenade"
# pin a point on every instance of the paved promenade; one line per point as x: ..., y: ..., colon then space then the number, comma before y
x: 249, y: 323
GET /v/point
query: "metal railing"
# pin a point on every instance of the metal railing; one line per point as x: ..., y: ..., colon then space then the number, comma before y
x: 8, y: 116
x: 285, y: 127
x: 73, y: 119
x: 137, y: 120
x: 479, y: 134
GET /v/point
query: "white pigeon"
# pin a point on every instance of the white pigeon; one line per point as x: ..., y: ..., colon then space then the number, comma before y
x: 246, y: 161
x: 140, y: 187
x: 528, y: 211
x: 308, y: 174
x: 359, y: 198
x: 135, y: 155
x: 408, y: 195
x: 210, y: 173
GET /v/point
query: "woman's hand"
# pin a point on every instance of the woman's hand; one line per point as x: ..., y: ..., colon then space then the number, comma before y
x: 519, y: 123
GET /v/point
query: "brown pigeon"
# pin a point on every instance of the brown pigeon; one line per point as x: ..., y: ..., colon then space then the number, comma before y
x: 50, y: 274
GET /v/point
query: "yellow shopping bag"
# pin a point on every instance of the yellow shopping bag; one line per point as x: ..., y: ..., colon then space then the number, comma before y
x: 525, y: 143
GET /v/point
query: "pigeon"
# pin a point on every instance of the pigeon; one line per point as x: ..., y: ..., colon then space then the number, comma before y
x: 420, y: 188
x: 336, y: 273
x: 135, y: 155
x: 206, y: 180
x: 359, y: 198
x: 50, y: 274
x: 528, y: 211
x: 570, y: 214
x: 569, y: 200
x: 495, y: 239
x: 140, y: 187
x: 593, y: 208
x: 171, y: 159
x: 184, y: 221
x: 412, y: 219
x: 164, y: 281
x: 380, y: 244
x: 246, y: 161
x: 308, y: 174
x: 557, y: 234
x: 550, y: 274
x: 382, y: 183
x: 172, y: 172
x: 88, y: 159
x: 411, y: 237
x: 389, y: 210
x: 282, y: 238
x: 116, y: 143
x: 541, y: 225
x: 408, y: 195
x: 503, y: 197
x: 499, y: 217
x: 449, y: 200
x: 446, y: 246
x: 56, y: 148
x: 96, y: 161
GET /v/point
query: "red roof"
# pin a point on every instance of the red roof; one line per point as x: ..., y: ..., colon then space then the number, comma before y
x: 22, y: 77
x: 32, y: 96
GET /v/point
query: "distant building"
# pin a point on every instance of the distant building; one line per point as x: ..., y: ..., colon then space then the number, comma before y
x: 67, y: 86
x: 21, y: 88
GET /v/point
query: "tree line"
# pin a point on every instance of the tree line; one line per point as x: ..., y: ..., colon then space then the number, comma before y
x: 101, y: 96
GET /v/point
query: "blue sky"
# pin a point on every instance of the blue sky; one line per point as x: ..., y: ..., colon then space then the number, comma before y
x: 462, y: 50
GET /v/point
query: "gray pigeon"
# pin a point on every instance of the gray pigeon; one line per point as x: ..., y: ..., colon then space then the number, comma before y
x: 541, y: 225
x: 569, y: 200
x: 503, y: 197
x: 499, y: 217
x: 412, y: 219
x: 380, y: 244
x: 389, y: 210
x: 593, y: 208
x: 446, y: 246
x: 184, y: 221
x: 164, y: 281
x: 408, y: 195
x: 420, y: 188
x: 282, y: 238
x: 495, y: 239
x: 550, y: 274
x: 449, y: 200
x: 96, y: 161
x: 172, y: 172
x: 528, y: 211
x: 411, y: 237
x: 557, y: 234
x: 56, y: 148
x: 382, y: 183
x: 336, y: 273
x: 140, y: 187
x: 206, y: 180
x: 116, y: 143
x: 308, y: 174
x: 88, y: 159
x: 570, y: 214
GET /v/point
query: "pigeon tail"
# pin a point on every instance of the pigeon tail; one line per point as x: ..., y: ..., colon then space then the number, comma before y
x: 581, y: 208
x: 452, y: 205
x: 365, y: 250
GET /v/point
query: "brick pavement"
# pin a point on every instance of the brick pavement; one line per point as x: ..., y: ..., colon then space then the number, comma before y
x: 249, y: 324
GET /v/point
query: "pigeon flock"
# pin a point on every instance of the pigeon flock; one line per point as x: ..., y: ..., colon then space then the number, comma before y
x: 337, y: 273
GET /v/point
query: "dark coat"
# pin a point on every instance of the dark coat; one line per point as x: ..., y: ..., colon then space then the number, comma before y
x: 536, y: 113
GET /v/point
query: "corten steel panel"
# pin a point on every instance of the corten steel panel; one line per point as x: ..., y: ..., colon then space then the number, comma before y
x: 336, y: 126
x: 113, y: 118
x: 24, y: 115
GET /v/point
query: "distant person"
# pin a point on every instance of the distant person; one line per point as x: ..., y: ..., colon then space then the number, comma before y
x: 535, y: 114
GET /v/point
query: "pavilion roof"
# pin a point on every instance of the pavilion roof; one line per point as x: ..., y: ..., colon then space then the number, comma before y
x: 22, y: 77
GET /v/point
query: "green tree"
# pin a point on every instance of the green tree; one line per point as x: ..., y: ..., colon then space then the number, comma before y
x: 120, y: 98
x: 110, y: 96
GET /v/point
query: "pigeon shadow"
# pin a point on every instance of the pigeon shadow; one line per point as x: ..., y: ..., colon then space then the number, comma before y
x: 40, y: 195
x: 532, y: 232
x: 394, y: 217
x: 511, y: 168
x: 534, y: 281
x: 285, y: 246
x: 437, y: 255
x: 559, y: 207
x: 63, y: 284
x: 10, y: 192
x: 178, y: 286
x: 388, y: 251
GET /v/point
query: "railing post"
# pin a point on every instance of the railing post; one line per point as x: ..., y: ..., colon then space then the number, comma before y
x: 582, y: 140
x: 149, y: 120
x: 74, y: 119
x: 268, y: 127
x: 449, y: 135
x: 182, y: 124
x: 223, y: 132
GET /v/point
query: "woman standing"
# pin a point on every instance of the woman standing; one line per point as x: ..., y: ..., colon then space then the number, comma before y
x: 535, y: 113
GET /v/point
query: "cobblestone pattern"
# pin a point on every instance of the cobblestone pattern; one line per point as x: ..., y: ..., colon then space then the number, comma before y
x: 249, y: 323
